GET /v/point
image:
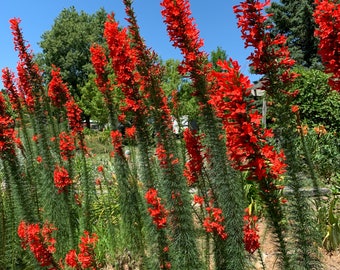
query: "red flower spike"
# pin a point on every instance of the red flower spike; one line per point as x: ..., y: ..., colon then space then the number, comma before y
x: 100, y: 64
x: 86, y: 257
x: 74, y: 116
x: 250, y: 233
x: 213, y: 223
x: 157, y: 210
x: 124, y: 63
x: 183, y: 33
x: 66, y: 146
x: 270, y: 53
x: 117, y: 142
x: 39, y: 240
x: 8, y: 135
x: 327, y: 17
x: 246, y: 139
x: 28, y: 71
x: 11, y: 89
x: 57, y: 89
x: 61, y: 178
x: 193, y: 166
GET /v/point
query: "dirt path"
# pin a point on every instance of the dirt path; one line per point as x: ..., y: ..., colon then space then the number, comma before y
x: 331, y: 262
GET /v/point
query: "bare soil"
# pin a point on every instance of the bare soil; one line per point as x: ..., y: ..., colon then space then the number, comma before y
x: 268, y: 251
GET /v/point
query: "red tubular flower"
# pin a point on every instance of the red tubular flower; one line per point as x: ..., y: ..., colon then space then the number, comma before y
x: 100, y: 64
x: 11, y: 89
x: 19, y: 42
x: 327, y: 17
x: 117, y: 142
x: 39, y: 240
x: 86, y: 256
x: 124, y: 63
x: 183, y: 32
x: 74, y: 116
x: 270, y: 54
x: 193, y: 167
x: 164, y: 158
x: 71, y: 258
x: 100, y: 168
x: 61, y: 178
x: 28, y: 71
x: 130, y: 132
x: 157, y: 211
x: 213, y: 223
x: 250, y: 233
x: 57, y: 89
x: 246, y: 139
x: 198, y: 199
x: 8, y: 135
x: 24, y: 86
x: 66, y: 146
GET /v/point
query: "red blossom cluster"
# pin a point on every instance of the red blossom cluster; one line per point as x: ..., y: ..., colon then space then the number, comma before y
x: 130, y: 132
x: 247, y: 144
x: 8, y: 135
x: 66, y: 146
x: 213, y: 222
x: 327, y: 17
x: 40, y: 242
x: 183, y: 33
x: 193, y: 167
x: 61, y: 178
x: 164, y: 157
x: 250, y: 232
x: 74, y: 116
x: 25, y: 87
x: 19, y: 42
x: 100, y: 168
x: 270, y: 53
x: 157, y: 211
x: 11, y: 89
x: 57, y: 89
x: 85, y: 259
x: 117, y: 142
x: 124, y: 63
x: 100, y: 64
x: 28, y: 71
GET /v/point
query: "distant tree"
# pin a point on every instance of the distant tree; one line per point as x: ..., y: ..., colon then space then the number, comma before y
x: 178, y: 89
x: 171, y: 77
x: 295, y: 20
x: 67, y: 46
x: 92, y: 102
x: 218, y: 54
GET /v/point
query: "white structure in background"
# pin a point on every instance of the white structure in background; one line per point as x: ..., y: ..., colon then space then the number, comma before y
x: 257, y: 91
x: 178, y: 127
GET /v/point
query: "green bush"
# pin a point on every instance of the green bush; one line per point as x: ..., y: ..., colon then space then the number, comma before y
x: 319, y: 104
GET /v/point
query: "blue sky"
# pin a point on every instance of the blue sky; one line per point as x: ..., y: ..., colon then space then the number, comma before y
x: 215, y: 19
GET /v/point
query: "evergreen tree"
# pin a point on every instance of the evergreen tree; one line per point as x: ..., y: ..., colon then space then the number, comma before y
x: 216, y: 55
x: 295, y: 20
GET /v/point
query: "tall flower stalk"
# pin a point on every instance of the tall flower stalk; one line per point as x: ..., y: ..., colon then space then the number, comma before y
x: 182, y: 249
x: 271, y: 58
x: 226, y: 182
x: 123, y: 65
x: 247, y: 143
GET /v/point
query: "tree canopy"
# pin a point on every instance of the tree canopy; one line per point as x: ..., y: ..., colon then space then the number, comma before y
x: 295, y: 20
x: 67, y: 45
